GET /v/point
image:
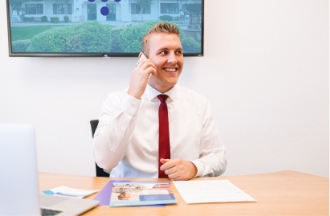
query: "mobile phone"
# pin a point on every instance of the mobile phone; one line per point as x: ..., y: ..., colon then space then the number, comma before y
x: 141, y: 57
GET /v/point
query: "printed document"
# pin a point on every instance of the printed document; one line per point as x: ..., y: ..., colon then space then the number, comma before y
x: 206, y: 191
x: 69, y: 192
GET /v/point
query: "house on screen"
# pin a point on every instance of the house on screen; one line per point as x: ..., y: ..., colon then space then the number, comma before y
x: 103, y: 10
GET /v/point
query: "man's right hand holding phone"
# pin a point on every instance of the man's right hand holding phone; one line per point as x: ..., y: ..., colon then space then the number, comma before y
x: 140, y: 75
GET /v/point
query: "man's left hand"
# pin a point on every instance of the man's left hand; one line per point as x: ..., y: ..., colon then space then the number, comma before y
x: 178, y: 169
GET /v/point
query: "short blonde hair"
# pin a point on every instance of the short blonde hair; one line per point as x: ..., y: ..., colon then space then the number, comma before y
x: 161, y: 27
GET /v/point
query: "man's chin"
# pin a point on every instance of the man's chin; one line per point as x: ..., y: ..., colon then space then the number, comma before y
x: 161, y: 84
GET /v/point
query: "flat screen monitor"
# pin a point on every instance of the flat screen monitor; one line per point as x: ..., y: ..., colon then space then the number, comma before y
x: 98, y: 28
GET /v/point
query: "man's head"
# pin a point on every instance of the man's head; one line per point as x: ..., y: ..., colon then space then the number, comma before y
x: 162, y: 46
x: 162, y: 27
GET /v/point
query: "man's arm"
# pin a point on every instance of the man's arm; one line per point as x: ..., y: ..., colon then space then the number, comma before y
x: 118, y: 118
x: 211, y: 162
x: 116, y: 125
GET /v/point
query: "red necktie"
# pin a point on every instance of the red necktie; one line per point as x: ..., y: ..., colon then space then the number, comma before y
x: 164, y: 134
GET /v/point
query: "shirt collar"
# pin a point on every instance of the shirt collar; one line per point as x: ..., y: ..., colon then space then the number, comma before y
x: 151, y: 93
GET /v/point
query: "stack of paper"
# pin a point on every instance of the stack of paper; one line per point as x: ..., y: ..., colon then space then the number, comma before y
x: 206, y: 191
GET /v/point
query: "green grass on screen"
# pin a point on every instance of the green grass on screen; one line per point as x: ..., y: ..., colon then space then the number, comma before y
x: 27, y: 32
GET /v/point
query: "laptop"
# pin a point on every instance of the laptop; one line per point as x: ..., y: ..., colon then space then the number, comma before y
x: 19, y: 190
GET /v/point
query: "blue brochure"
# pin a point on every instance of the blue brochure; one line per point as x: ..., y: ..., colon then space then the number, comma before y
x: 137, y: 193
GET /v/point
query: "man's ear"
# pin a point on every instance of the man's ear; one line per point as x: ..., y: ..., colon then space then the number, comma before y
x: 140, y: 54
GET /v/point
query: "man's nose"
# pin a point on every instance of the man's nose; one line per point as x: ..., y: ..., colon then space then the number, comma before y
x: 172, y: 58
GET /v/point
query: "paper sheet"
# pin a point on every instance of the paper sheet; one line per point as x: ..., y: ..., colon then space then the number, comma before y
x: 206, y: 191
x: 69, y: 192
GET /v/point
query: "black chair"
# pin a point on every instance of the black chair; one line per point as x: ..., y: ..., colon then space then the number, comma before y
x: 99, y: 171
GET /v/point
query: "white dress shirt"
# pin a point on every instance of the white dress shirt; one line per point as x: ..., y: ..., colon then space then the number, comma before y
x: 126, y: 139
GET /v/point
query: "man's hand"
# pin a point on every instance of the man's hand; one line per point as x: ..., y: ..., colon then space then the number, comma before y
x: 139, y: 77
x: 178, y: 169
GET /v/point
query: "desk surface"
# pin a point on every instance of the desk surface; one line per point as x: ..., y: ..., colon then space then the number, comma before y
x: 278, y: 193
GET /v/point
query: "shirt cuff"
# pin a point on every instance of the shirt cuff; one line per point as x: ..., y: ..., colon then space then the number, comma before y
x: 199, y: 166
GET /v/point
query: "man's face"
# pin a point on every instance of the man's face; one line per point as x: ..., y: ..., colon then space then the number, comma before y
x: 165, y: 51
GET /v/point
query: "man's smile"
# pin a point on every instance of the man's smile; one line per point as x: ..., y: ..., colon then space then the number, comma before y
x: 170, y: 69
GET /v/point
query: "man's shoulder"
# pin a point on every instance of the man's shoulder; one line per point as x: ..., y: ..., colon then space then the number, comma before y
x: 189, y: 93
x: 117, y: 97
x: 118, y: 93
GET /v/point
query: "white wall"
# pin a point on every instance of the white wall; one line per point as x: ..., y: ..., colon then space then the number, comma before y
x: 265, y: 71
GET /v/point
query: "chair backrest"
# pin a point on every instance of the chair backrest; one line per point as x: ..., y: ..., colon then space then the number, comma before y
x: 99, y: 171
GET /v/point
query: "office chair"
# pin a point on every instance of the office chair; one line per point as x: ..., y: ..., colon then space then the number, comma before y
x: 99, y: 171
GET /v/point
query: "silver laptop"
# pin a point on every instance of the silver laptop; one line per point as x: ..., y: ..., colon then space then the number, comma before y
x: 19, y: 191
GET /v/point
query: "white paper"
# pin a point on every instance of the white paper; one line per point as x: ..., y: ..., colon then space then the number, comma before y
x: 206, y: 191
x: 69, y: 192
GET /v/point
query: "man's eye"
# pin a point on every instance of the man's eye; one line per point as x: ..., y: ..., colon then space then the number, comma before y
x: 163, y: 52
x: 179, y: 52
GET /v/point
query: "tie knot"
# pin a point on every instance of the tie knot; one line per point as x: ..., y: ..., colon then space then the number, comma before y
x: 162, y: 98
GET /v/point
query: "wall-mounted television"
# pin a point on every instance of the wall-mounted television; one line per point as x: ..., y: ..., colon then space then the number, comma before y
x: 98, y: 28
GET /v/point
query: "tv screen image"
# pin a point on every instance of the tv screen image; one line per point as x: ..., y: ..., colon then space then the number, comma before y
x: 92, y: 28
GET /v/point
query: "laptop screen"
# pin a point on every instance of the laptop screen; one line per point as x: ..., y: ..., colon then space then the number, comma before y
x: 19, y: 173
x: 19, y: 190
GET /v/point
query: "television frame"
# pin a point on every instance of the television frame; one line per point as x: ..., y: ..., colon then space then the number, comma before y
x: 98, y: 54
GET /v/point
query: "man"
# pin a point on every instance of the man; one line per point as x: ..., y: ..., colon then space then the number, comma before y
x: 127, y: 136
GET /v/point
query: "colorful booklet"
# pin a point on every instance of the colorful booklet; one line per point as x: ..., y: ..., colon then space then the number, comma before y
x: 137, y: 193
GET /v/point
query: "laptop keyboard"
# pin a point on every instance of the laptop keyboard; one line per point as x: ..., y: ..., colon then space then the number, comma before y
x: 49, y: 212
